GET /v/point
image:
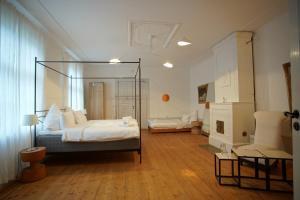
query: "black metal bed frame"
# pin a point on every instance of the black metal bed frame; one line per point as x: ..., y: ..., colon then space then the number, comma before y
x: 137, y: 77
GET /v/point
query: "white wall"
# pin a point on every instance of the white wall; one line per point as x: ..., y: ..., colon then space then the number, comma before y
x: 55, y: 85
x: 174, y: 82
x: 200, y: 74
x: 271, y: 50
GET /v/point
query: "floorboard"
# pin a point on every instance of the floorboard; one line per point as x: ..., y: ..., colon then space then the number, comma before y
x: 175, y: 166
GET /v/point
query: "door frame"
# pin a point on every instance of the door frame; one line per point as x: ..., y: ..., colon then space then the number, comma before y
x: 147, y: 99
x: 294, y: 13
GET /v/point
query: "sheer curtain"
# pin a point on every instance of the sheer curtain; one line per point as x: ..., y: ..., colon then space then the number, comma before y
x: 20, y: 42
x: 79, y: 88
x: 76, y: 70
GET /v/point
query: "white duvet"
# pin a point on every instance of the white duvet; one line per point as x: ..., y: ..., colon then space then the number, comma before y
x: 101, y: 130
x: 168, y: 123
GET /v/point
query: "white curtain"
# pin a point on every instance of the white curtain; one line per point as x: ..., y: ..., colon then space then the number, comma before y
x: 80, y: 90
x: 77, y: 100
x: 20, y: 42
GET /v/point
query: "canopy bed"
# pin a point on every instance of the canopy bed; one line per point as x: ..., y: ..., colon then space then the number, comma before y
x: 93, y: 135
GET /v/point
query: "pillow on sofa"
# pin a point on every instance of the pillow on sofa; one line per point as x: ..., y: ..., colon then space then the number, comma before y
x: 52, y: 120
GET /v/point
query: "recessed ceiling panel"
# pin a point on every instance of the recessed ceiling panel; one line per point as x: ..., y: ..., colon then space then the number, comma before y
x: 151, y: 35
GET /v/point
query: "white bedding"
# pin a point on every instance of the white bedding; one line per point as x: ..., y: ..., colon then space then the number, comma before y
x: 98, y: 130
x: 49, y: 132
x: 167, y: 123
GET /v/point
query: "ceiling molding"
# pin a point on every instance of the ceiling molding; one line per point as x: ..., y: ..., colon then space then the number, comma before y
x: 27, y: 14
x: 65, y: 48
x: 21, y: 9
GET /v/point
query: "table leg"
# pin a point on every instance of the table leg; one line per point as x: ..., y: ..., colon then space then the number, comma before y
x: 283, y: 168
x: 215, y: 165
x: 267, y: 174
x: 239, y: 172
x: 219, y: 172
x: 256, y: 168
x: 232, y: 167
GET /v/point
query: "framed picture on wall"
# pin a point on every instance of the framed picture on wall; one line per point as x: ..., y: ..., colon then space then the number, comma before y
x: 202, y: 93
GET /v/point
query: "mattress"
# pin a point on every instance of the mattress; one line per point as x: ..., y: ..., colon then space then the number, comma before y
x: 167, y: 123
x: 54, y: 144
x: 48, y: 132
x: 97, y: 131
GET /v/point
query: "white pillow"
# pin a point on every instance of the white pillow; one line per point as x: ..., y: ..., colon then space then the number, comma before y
x: 80, y: 118
x: 67, y: 120
x: 127, y: 118
x: 52, y: 120
x: 185, y: 118
x: 193, y: 116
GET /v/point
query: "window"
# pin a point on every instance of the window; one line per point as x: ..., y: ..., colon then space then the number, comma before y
x: 20, y: 42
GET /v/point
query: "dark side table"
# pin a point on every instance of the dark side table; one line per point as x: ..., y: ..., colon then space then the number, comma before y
x: 223, y: 157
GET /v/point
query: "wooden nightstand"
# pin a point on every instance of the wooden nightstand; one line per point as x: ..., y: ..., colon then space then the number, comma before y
x: 196, y: 127
x: 36, y: 170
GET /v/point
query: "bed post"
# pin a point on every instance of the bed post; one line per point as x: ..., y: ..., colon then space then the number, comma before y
x: 136, y: 79
x: 35, y: 80
x: 135, y: 96
x: 140, y: 109
x: 71, y: 97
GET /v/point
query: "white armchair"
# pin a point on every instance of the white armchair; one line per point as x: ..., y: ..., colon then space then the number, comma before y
x: 271, y: 126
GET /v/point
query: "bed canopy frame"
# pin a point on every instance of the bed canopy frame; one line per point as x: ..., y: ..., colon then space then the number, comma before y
x: 136, y: 78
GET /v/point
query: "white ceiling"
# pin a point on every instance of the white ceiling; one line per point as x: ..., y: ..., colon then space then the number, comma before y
x: 102, y: 29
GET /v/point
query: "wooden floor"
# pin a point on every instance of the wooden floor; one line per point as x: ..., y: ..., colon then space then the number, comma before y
x: 174, y: 167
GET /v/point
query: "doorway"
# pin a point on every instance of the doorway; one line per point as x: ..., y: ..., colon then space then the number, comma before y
x: 125, y: 101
